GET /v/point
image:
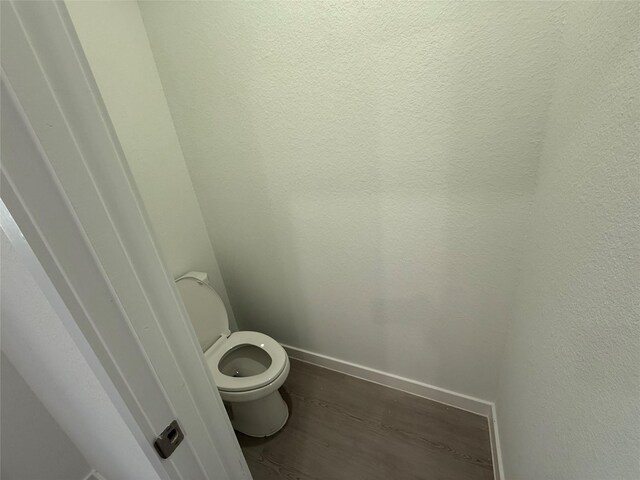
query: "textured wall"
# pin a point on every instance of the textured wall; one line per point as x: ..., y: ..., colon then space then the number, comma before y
x: 34, y: 446
x: 114, y: 40
x: 569, y: 402
x: 365, y: 171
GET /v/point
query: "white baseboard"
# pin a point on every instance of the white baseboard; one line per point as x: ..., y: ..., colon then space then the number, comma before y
x: 437, y: 394
x: 93, y: 475
x: 441, y: 395
x: 496, y: 451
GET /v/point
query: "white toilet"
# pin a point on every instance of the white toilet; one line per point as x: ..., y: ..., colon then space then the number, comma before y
x: 248, y: 367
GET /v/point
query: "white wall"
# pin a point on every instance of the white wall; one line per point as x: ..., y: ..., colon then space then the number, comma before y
x: 366, y: 174
x: 46, y: 357
x: 365, y: 171
x: 569, y: 401
x: 34, y: 447
x: 115, y: 42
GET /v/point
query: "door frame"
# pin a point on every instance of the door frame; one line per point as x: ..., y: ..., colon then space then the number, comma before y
x: 66, y: 184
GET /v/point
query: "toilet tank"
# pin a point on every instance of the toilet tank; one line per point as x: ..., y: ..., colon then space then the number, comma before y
x: 206, y: 310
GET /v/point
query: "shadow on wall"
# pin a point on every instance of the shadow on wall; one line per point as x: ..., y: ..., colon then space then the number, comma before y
x: 28, y: 427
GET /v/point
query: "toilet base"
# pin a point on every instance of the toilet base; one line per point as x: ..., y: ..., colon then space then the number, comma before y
x: 260, y: 418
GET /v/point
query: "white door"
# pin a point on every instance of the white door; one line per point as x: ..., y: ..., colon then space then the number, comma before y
x: 66, y: 186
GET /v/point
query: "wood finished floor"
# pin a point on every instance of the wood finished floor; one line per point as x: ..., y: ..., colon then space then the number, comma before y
x: 341, y: 427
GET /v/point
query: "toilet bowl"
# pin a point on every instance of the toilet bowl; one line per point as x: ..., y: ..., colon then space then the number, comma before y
x: 247, y: 367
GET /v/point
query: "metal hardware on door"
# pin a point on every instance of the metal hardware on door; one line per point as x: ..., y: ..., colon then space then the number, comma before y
x: 169, y: 440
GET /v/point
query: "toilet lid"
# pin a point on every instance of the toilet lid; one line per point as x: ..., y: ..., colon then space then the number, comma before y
x: 242, y: 384
x: 205, y: 308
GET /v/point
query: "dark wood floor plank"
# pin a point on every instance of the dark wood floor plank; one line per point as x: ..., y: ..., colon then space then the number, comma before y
x: 341, y: 427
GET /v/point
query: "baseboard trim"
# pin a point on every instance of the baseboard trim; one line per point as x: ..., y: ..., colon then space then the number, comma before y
x: 441, y: 395
x: 93, y: 475
x: 496, y: 451
x: 90, y: 475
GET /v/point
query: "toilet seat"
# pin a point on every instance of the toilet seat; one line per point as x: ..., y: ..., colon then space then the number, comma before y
x: 254, y: 403
x: 242, y: 384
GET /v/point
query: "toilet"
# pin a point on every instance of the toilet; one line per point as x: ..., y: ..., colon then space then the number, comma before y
x: 248, y: 367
